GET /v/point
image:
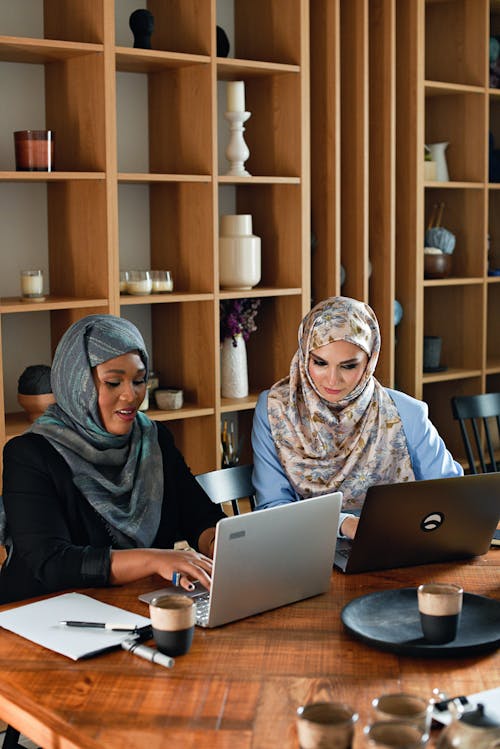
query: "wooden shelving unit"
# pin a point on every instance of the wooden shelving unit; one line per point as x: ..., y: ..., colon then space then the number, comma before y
x: 398, y: 75
x: 81, y: 63
x: 451, y: 102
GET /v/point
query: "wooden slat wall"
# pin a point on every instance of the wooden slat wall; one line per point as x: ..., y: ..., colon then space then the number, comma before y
x: 382, y: 174
x: 325, y: 148
x: 353, y: 157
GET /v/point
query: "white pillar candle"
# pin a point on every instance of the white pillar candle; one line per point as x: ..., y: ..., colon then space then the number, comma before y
x: 235, y: 96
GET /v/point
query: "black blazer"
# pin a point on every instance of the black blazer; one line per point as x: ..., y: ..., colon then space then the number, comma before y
x: 58, y: 541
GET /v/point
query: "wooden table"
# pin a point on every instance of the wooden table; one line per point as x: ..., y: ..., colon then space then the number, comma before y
x: 240, y: 685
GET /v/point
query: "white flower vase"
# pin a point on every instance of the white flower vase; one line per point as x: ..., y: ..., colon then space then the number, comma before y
x: 234, y: 371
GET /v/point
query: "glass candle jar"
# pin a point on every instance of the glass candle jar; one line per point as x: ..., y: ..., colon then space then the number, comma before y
x: 123, y: 281
x: 34, y: 150
x: 162, y: 281
x: 139, y: 282
x: 32, y: 285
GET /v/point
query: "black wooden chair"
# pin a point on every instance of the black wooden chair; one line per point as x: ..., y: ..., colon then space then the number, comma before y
x: 476, y: 415
x: 229, y: 485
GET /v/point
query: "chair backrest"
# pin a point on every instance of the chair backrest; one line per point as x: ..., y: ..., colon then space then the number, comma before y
x: 476, y: 414
x: 229, y: 485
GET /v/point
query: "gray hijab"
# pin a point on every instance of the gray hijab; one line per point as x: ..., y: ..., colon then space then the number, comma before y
x: 120, y: 476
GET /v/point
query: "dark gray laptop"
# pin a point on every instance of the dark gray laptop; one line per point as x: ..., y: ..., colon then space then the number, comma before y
x: 420, y: 522
x: 267, y: 558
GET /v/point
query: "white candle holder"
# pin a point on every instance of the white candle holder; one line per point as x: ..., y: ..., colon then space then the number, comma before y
x: 237, y: 150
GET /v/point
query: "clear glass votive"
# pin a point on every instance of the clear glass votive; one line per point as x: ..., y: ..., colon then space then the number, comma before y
x: 32, y: 285
x: 412, y: 708
x: 162, y: 281
x: 123, y: 281
x: 325, y: 725
x: 139, y: 282
x: 395, y: 734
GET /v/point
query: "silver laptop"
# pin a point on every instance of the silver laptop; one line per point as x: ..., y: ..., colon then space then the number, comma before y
x: 420, y: 522
x: 268, y: 558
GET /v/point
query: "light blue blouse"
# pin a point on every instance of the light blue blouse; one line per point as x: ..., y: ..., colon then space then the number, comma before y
x: 429, y: 457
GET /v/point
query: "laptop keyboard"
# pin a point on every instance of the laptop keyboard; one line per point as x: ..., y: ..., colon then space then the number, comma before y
x: 202, y: 604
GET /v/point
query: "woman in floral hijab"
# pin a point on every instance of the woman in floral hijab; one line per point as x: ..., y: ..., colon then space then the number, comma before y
x: 330, y: 425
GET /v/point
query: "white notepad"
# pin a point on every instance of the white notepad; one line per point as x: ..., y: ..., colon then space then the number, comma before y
x: 39, y: 622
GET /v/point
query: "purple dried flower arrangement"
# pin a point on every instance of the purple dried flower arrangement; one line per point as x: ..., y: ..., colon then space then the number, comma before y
x: 237, y: 317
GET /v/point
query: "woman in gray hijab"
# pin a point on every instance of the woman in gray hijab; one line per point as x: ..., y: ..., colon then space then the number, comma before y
x: 95, y: 493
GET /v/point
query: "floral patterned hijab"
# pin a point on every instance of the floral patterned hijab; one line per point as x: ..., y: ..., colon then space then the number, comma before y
x: 348, y: 445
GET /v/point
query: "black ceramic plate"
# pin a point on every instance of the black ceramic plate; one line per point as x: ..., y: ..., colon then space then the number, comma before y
x: 389, y: 620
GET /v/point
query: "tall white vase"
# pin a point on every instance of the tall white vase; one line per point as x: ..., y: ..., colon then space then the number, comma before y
x: 239, y: 253
x: 439, y: 156
x: 234, y: 369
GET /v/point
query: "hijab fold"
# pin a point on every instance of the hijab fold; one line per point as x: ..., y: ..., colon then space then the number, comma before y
x: 349, y: 445
x: 119, y: 475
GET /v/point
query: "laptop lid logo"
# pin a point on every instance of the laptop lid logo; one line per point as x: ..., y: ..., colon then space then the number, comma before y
x: 238, y: 534
x: 432, y: 522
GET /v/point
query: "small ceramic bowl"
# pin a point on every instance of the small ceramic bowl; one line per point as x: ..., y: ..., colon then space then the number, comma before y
x: 169, y: 398
x: 35, y: 405
x: 437, y: 265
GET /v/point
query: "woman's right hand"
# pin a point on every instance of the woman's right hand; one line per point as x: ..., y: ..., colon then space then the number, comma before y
x: 192, y: 566
x: 129, y: 565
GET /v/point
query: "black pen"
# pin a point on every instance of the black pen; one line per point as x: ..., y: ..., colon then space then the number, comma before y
x: 102, y: 625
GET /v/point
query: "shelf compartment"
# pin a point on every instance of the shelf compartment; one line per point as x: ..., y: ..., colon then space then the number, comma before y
x: 67, y: 97
x: 464, y: 216
x: 183, y: 345
x: 168, y: 225
x: 182, y: 25
x: 494, y: 231
x: 77, y: 229
x: 459, y: 119
x: 493, y: 337
x: 165, y: 117
x: 64, y: 20
x: 198, y: 439
x: 273, y: 132
x: 275, y: 209
x: 269, y: 30
x: 494, y: 133
x: 463, y: 347
x: 438, y: 396
x: 277, y: 323
x: 455, y: 41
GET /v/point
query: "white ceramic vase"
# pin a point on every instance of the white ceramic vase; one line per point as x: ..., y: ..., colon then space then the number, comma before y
x: 239, y: 253
x: 234, y: 370
x: 439, y: 157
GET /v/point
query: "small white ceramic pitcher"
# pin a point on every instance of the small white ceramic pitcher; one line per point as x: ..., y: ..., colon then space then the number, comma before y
x: 439, y: 156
